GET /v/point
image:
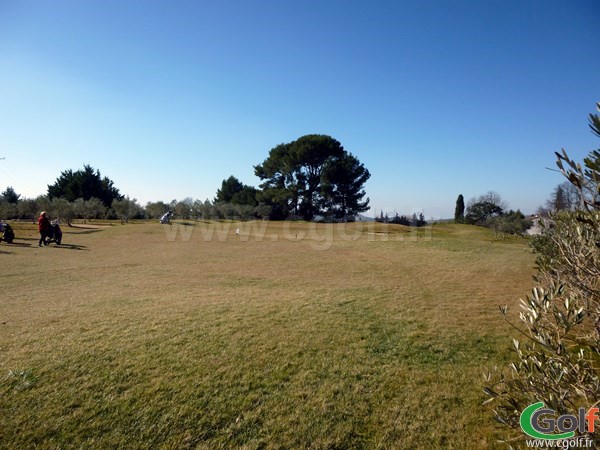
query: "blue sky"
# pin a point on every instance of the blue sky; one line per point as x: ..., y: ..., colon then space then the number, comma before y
x: 168, y: 98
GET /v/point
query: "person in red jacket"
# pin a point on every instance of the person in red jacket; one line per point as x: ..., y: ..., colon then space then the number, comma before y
x: 44, y: 228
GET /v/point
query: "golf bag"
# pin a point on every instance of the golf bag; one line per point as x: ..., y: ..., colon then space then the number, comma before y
x: 55, y: 234
x: 7, y: 233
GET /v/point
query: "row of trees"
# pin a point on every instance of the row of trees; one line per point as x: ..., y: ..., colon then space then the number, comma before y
x: 189, y: 208
x: 310, y: 178
x: 93, y: 208
x: 412, y: 221
x: 125, y: 209
x: 84, y: 194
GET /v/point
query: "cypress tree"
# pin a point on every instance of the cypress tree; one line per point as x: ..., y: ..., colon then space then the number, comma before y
x: 459, y: 211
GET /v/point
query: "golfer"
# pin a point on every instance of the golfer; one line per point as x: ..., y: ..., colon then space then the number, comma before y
x: 44, y: 228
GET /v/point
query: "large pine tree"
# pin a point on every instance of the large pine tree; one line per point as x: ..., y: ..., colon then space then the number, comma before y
x: 342, y: 187
x: 310, y: 176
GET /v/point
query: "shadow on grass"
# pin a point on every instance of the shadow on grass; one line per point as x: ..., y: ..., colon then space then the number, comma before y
x: 70, y: 247
x: 19, y: 244
x: 92, y: 226
x: 87, y: 231
x: 66, y: 246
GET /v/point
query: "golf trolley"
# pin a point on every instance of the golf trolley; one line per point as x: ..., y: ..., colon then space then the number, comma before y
x: 55, y: 233
x: 166, y: 218
x: 8, y: 235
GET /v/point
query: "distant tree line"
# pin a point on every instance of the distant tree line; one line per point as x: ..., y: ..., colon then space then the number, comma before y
x: 13, y: 206
x: 489, y: 210
x: 412, y: 221
x: 311, y: 178
x: 125, y: 209
x: 189, y: 208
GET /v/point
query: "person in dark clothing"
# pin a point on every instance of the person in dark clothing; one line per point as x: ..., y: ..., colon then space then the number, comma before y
x: 44, y: 228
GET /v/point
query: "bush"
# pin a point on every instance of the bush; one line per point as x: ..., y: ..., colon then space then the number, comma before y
x: 557, y: 359
x: 513, y: 222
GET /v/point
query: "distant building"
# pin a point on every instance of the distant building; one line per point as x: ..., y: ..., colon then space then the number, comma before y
x: 536, y: 228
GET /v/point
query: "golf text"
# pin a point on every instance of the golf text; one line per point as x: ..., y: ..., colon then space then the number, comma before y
x: 542, y: 423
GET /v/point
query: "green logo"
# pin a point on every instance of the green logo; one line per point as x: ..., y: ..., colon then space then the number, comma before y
x: 535, y: 422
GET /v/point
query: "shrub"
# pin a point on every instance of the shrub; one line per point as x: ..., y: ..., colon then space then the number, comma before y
x: 557, y: 358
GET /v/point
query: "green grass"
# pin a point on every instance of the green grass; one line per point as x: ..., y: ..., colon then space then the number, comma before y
x: 122, y: 339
